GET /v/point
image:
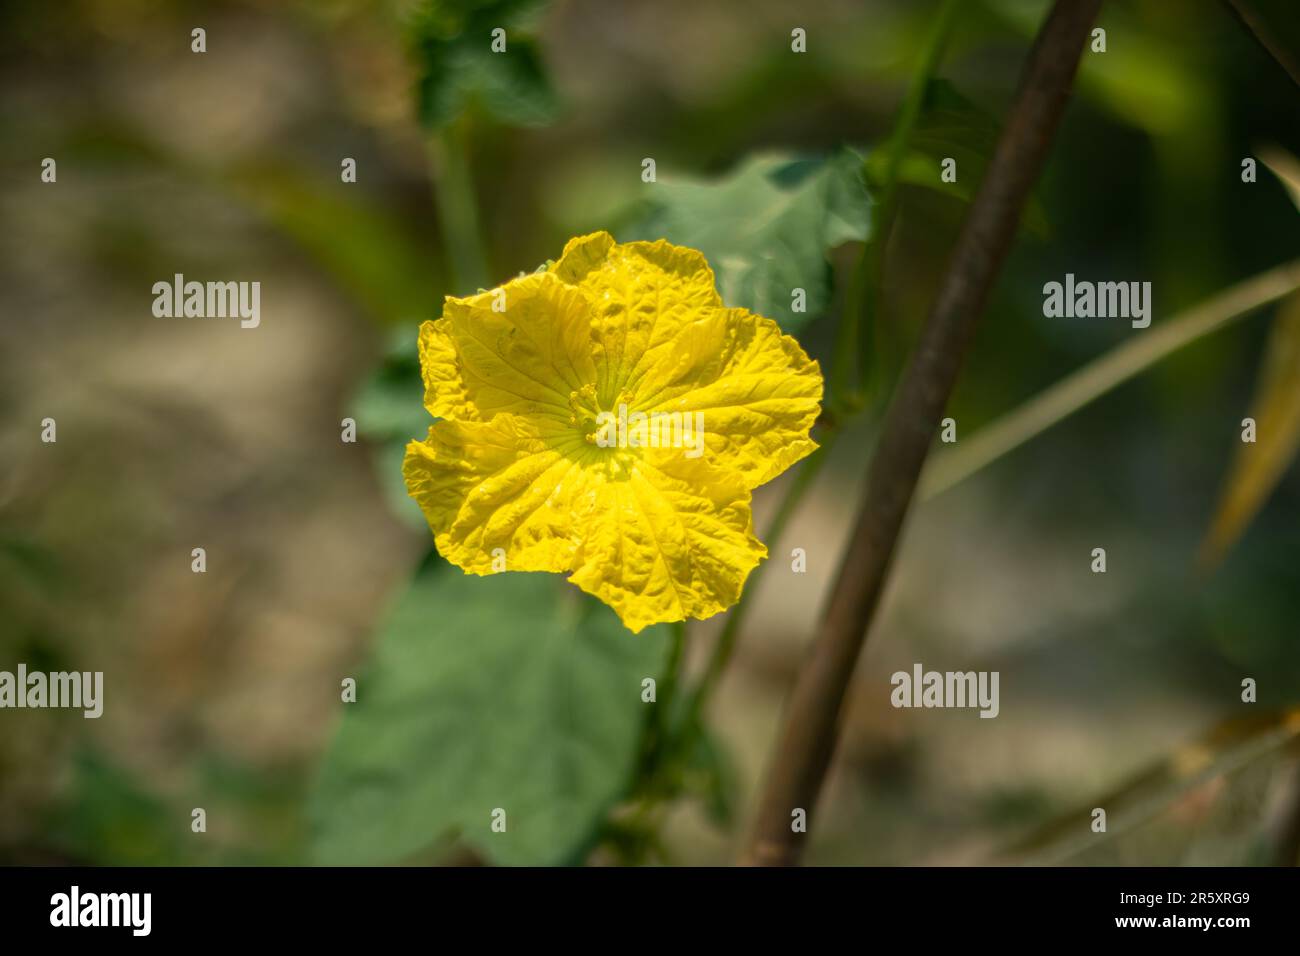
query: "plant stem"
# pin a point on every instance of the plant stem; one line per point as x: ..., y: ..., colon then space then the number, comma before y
x: 910, y: 112
x: 458, y: 208
x: 726, y: 643
x: 660, y: 742
x: 810, y: 728
x: 1221, y: 752
x: 1098, y: 377
x: 652, y: 782
x: 862, y: 300
x: 1286, y: 849
x: 667, y: 744
x: 672, y: 672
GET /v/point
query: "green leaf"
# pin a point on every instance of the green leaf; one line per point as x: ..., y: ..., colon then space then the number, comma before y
x: 458, y: 69
x: 389, y: 410
x: 390, y: 403
x: 513, y: 691
x: 951, y: 127
x: 35, y: 563
x: 389, y: 406
x: 365, y: 250
x: 711, y: 776
x: 766, y: 228
x: 105, y: 816
x: 1141, y: 79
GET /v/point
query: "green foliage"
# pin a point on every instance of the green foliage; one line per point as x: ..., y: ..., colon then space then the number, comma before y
x: 950, y: 126
x: 711, y: 776
x: 766, y: 228
x: 106, y: 817
x: 389, y: 410
x: 1143, y: 78
x: 517, y: 692
x: 30, y: 562
x: 368, y: 252
x: 390, y: 404
x: 458, y: 69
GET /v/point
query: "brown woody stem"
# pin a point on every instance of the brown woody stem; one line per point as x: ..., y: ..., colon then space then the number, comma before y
x: 812, y: 715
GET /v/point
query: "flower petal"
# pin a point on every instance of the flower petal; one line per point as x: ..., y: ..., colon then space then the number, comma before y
x: 445, y: 394
x: 667, y: 543
x: 501, y: 484
x: 756, y: 388
x: 521, y: 348
x: 642, y: 293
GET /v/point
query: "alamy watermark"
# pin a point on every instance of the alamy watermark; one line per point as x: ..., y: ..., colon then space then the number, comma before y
x: 947, y: 689
x: 75, y: 908
x: 57, y: 689
x: 209, y: 300
x: 1102, y: 300
x: 653, y: 430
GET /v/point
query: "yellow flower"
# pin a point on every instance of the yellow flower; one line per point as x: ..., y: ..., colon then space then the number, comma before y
x: 569, y: 401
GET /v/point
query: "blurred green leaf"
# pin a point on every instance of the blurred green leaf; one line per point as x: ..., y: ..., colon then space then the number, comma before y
x: 369, y: 254
x: 390, y: 407
x: 107, y: 817
x: 1258, y: 465
x: 711, y: 776
x: 1142, y: 79
x: 458, y: 69
x: 389, y: 410
x: 390, y: 404
x: 36, y: 563
x: 514, y: 691
x: 388, y: 462
x: 766, y: 228
x: 1140, y: 83
x: 951, y: 126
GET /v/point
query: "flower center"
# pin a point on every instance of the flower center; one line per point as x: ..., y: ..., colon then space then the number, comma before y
x: 595, y: 424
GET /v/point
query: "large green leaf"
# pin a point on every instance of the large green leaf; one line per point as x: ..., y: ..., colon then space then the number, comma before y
x: 514, y: 691
x: 766, y: 228
x: 458, y: 68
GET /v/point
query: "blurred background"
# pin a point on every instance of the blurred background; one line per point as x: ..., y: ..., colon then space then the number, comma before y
x: 223, y: 689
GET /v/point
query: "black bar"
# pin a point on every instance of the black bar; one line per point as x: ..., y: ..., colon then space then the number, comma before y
x: 338, y: 906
